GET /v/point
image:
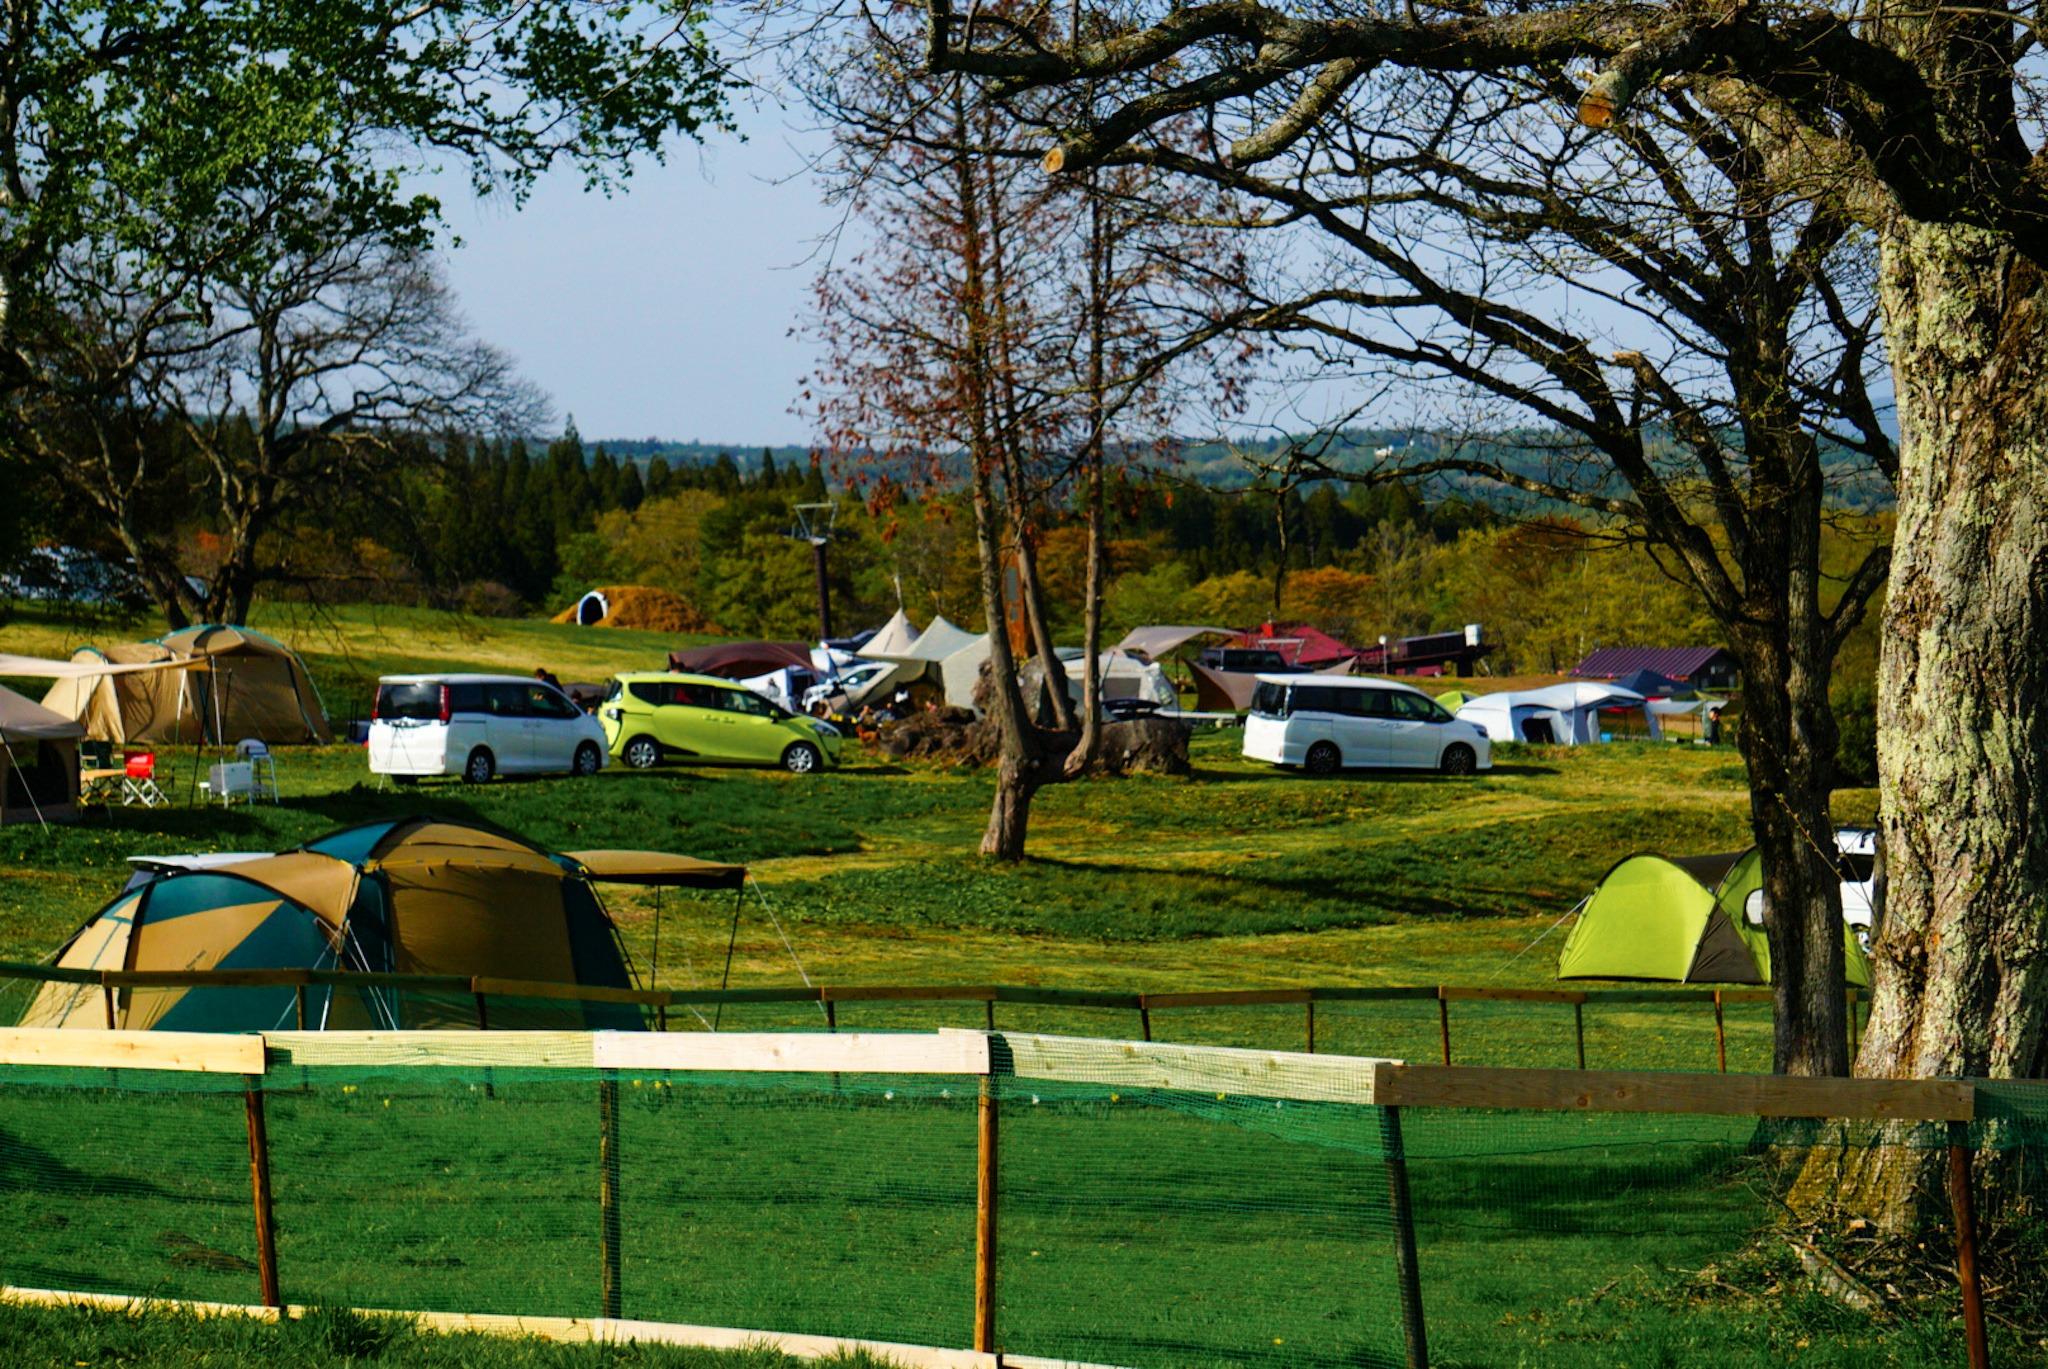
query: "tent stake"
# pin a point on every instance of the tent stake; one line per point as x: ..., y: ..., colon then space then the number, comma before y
x: 259, y: 1189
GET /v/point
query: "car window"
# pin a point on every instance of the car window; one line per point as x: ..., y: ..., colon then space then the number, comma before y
x: 649, y: 692
x: 747, y: 701
x: 411, y: 702
x: 543, y: 702
x: 466, y: 698
x: 1415, y: 708
x: 505, y: 700
x: 1269, y: 700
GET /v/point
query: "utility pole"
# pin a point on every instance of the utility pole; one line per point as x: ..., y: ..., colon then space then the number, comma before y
x: 814, y: 525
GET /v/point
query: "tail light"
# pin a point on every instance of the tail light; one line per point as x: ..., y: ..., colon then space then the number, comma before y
x: 377, y: 705
x: 446, y: 711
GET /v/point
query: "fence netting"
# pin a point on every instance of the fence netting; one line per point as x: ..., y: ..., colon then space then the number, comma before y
x: 1137, y: 1226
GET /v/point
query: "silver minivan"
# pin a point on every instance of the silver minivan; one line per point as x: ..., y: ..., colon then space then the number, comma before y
x: 477, y: 726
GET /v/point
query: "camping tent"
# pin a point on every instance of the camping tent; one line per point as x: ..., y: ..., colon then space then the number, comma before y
x: 1123, y: 675
x: 414, y: 896
x: 1651, y: 685
x: 1455, y: 699
x: 212, y: 684
x: 961, y: 670
x: 894, y: 637
x: 38, y: 762
x: 1566, y: 714
x: 1698, y: 920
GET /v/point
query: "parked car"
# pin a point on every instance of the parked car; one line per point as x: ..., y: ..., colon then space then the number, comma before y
x: 477, y: 726
x: 1248, y: 660
x: 661, y: 715
x: 1324, y: 723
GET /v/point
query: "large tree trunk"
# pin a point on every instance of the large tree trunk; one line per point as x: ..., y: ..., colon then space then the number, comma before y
x: 1961, y: 980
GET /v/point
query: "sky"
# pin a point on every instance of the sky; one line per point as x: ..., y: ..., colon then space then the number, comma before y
x: 664, y: 311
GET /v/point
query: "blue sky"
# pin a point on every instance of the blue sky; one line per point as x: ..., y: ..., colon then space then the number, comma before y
x: 665, y: 310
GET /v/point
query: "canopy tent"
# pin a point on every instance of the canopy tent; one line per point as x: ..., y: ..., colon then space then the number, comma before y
x: 1565, y: 714
x: 939, y: 640
x: 961, y: 669
x: 1695, y: 920
x: 210, y: 684
x: 737, y: 660
x: 38, y: 762
x: 412, y: 896
x: 1230, y: 691
x: 894, y: 638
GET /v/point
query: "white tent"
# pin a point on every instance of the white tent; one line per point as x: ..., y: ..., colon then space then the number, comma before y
x: 896, y: 637
x: 938, y: 641
x: 961, y: 669
x: 1567, y: 714
x: 1123, y: 676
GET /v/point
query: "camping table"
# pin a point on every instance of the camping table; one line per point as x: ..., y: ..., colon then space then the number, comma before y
x: 102, y: 785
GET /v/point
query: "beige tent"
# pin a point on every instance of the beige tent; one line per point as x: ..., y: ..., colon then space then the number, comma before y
x: 38, y: 762
x: 236, y: 683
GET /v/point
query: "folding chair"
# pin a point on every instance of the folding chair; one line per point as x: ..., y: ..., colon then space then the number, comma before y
x: 138, y: 780
x: 262, y: 768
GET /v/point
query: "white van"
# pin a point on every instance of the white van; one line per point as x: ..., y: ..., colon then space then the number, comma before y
x: 477, y: 726
x: 1323, y: 723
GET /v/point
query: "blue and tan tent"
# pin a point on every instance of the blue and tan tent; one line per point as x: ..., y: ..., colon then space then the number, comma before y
x: 416, y: 896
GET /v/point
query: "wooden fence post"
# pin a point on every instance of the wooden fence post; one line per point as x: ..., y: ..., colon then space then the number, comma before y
x: 1311, y: 1026
x: 610, y: 1294
x: 483, y: 1014
x: 1145, y: 1020
x: 1406, y: 1272
x: 1579, y: 1029
x: 1966, y: 1243
x: 1443, y: 1022
x: 1720, y: 1033
x: 831, y: 1016
x: 985, y: 1219
x: 989, y: 1012
x: 259, y: 1192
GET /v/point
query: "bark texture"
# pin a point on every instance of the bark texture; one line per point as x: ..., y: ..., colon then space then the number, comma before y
x: 1961, y: 983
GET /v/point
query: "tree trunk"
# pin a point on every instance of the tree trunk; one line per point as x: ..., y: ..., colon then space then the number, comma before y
x: 1961, y: 981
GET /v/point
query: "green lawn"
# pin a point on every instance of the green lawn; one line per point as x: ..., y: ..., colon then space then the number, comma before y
x: 1139, y: 1232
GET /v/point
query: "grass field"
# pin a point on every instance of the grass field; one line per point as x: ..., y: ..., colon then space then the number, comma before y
x: 1538, y: 1247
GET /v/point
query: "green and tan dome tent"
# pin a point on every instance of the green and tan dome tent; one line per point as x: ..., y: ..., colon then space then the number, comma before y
x: 418, y: 896
x: 1692, y: 920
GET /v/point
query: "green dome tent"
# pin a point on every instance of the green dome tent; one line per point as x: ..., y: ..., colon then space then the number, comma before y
x: 1695, y: 920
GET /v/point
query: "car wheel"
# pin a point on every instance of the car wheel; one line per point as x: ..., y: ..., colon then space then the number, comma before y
x: 480, y: 766
x: 587, y: 760
x: 642, y: 753
x: 1459, y: 760
x: 802, y: 759
x: 1323, y: 759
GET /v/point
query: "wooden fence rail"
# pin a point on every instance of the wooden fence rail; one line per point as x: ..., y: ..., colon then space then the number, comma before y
x: 661, y: 1002
x: 1391, y: 1087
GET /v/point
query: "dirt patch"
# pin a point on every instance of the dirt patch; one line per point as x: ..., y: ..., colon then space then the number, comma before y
x: 1152, y: 746
x: 645, y: 608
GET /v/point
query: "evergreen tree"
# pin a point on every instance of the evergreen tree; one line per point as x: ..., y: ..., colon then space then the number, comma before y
x: 632, y: 493
x: 660, y: 480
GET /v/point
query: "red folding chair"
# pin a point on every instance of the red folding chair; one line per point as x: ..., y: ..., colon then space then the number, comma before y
x: 138, y: 780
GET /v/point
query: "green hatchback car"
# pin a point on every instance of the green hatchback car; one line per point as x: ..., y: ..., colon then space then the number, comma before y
x: 653, y: 716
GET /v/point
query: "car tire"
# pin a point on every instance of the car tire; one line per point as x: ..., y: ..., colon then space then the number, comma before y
x: 642, y: 753
x: 480, y: 766
x: 1459, y: 759
x: 802, y: 759
x: 587, y: 760
x: 1323, y: 759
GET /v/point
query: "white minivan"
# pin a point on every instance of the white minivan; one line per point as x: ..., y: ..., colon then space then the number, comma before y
x: 477, y: 726
x: 1323, y: 723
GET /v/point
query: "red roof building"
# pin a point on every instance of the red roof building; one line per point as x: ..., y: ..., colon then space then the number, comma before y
x: 1702, y: 667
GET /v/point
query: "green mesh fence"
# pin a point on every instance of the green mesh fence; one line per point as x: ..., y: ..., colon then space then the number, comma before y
x: 1137, y: 1226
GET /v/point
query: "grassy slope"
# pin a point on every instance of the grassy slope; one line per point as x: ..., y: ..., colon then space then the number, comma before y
x: 1235, y: 876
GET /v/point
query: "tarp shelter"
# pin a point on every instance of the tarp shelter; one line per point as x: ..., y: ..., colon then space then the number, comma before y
x: 1694, y: 920
x: 38, y: 762
x: 1156, y: 643
x: 210, y: 684
x: 412, y: 896
x: 1565, y: 714
x: 1230, y: 691
x: 1651, y: 685
x: 738, y: 660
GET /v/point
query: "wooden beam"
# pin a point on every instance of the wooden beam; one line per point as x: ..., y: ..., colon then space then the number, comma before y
x: 1197, y: 1069
x: 1225, y: 998
x: 957, y: 1052
x: 462, y: 1049
x: 1493, y: 995
x: 907, y: 993
x: 1739, y: 1095
x: 190, y: 1052
x: 986, y: 1198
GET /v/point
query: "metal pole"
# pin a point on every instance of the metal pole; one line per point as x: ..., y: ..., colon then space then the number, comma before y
x: 1579, y: 1030
x: 259, y: 1190
x: 1406, y: 1271
x: 1443, y: 1022
x: 985, y: 1195
x: 611, y: 1295
x: 1145, y: 1020
x: 724, y: 980
x: 1311, y: 1005
x: 824, y: 588
x: 1966, y: 1243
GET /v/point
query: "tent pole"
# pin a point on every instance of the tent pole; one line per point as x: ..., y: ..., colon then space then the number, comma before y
x: 14, y: 767
x: 731, y: 940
